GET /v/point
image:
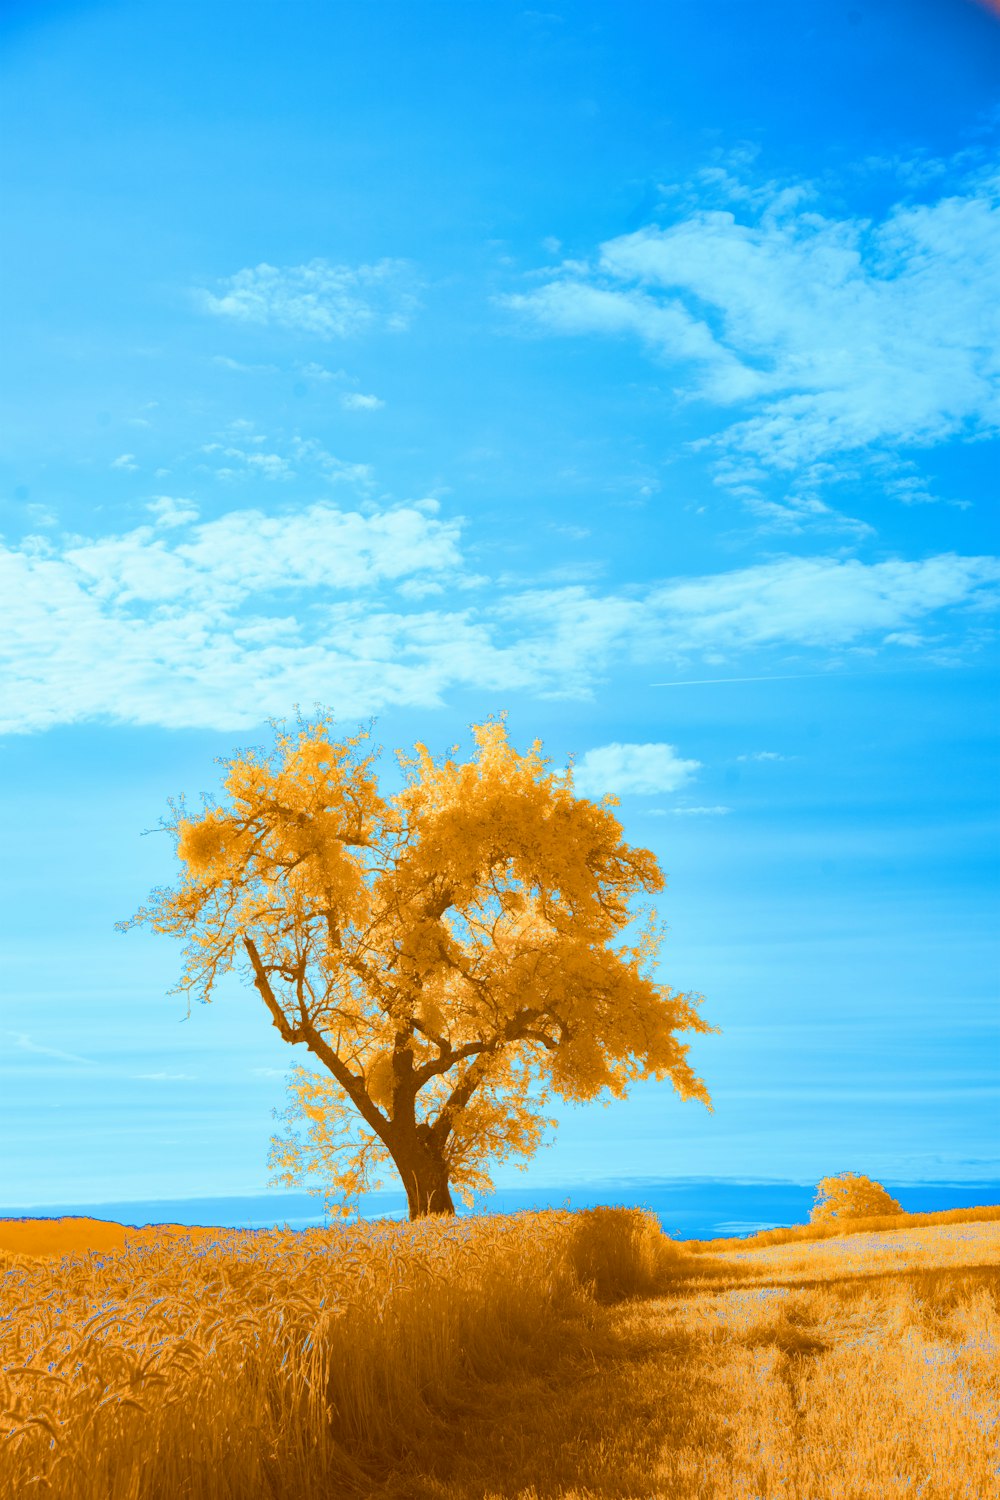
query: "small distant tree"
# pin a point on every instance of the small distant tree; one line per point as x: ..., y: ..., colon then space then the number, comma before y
x: 435, y: 952
x: 848, y: 1195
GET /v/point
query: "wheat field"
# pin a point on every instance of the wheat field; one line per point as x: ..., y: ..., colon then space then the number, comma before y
x: 542, y: 1356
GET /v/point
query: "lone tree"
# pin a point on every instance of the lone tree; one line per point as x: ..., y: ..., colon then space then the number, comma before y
x: 851, y: 1196
x: 431, y: 951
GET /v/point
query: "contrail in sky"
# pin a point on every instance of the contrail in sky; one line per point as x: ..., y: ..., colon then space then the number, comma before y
x: 792, y: 677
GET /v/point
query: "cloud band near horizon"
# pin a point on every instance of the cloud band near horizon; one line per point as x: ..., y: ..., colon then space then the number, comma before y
x: 217, y: 624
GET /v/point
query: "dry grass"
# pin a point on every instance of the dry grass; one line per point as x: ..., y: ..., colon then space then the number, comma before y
x: 848, y: 1370
x: 283, y: 1364
x: 493, y: 1359
x: 829, y: 1229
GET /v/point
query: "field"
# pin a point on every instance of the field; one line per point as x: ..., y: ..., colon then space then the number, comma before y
x: 545, y: 1356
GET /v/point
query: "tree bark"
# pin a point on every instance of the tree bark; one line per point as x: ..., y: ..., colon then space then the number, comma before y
x: 424, y: 1173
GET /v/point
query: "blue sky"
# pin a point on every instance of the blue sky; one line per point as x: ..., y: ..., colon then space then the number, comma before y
x: 630, y: 368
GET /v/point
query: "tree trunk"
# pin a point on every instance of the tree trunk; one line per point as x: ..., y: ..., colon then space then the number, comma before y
x: 425, y: 1176
x: 429, y: 1194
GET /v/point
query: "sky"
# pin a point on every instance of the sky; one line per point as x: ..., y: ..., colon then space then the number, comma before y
x: 632, y: 369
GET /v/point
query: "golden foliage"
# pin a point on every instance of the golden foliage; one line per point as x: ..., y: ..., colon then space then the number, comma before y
x: 202, y: 844
x: 445, y: 954
x: 848, y: 1195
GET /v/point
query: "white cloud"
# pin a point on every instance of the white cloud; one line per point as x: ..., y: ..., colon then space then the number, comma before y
x: 313, y: 371
x: 41, y: 514
x: 308, y: 451
x: 838, y: 334
x: 149, y: 629
x: 234, y: 364
x: 232, y: 461
x: 576, y: 306
x: 354, y: 401
x: 246, y: 552
x: 904, y: 638
x: 764, y: 755
x: 820, y: 601
x: 815, y: 602
x: 269, y: 465
x: 641, y: 769
x: 319, y: 298
x: 171, y: 511
x: 124, y: 461
x: 216, y: 624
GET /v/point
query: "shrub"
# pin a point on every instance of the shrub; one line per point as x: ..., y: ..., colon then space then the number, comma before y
x: 848, y: 1195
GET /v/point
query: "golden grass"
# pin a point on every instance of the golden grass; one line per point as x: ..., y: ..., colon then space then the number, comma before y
x: 827, y: 1229
x: 495, y: 1359
x: 54, y: 1237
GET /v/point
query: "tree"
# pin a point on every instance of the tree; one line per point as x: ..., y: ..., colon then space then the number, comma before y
x: 434, y: 951
x: 851, y: 1196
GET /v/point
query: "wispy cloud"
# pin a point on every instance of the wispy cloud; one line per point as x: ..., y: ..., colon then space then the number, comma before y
x: 836, y: 333
x: 125, y: 461
x: 243, y: 369
x: 355, y: 401
x: 237, y: 455
x: 641, y: 769
x: 170, y: 510
x: 793, y: 513
x: 267, y: 465
x: 314, y: 371
x: 820, y: 601
x: 41, y: 515
x: 322, y: 299
x: 219, y: 623
x: 179, y: 629
x: 24, y: 1044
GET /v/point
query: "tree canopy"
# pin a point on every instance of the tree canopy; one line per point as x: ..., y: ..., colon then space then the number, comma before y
x: 438, y: 952
x: 848, y: 1195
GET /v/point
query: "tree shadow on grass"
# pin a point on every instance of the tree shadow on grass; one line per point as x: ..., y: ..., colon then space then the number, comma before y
x: 623, y: 1406
x: 589, y: 1416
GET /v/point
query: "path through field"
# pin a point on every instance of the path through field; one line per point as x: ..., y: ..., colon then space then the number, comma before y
x: 821, y: 1371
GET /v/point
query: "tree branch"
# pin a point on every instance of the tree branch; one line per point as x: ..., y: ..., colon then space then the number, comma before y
x: 306, y: 1032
